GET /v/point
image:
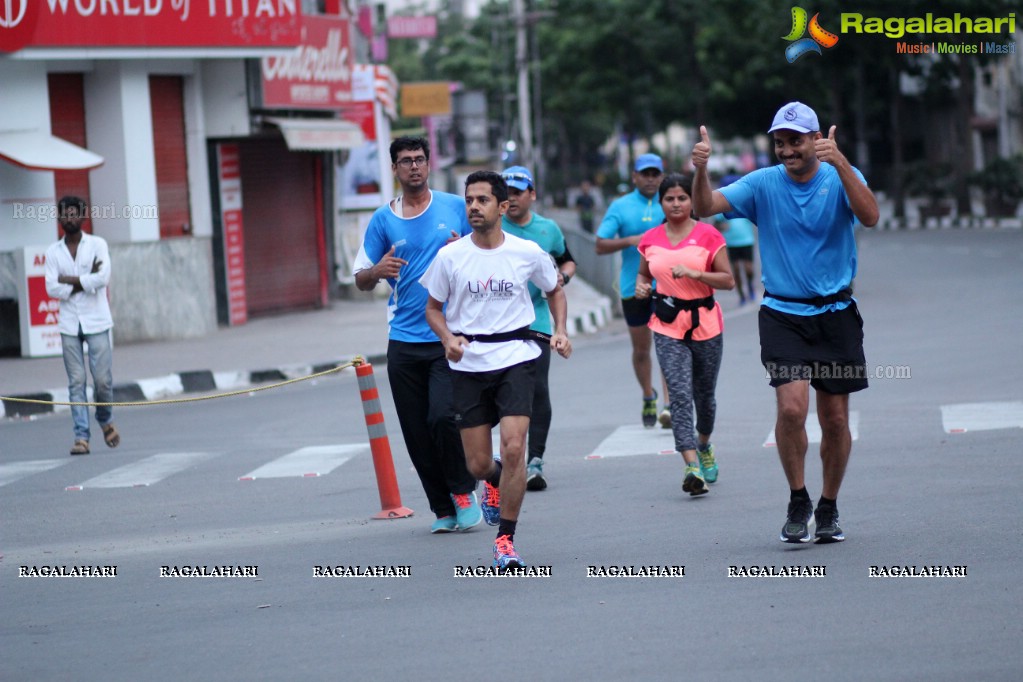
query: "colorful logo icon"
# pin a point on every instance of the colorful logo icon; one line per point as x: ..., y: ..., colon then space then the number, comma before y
x: 818, y: 36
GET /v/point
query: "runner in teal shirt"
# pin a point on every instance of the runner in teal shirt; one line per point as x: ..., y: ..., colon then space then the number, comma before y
x: 521, y: 221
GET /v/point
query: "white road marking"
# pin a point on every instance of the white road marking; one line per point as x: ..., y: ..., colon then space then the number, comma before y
x: 317, y: 460
x: 964, y: 417
x: 9, y: 473
x: 144, y: 472
x: 630, y: 441
x: 813, y: 429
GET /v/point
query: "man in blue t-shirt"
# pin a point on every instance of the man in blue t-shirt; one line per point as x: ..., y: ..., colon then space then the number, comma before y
x: 627, y: 219
x: 811, y: 332
x: 401, y: 241
x: 521, y: 221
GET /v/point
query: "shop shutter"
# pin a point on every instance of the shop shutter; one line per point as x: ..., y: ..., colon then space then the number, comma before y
x: 166, y: 96
x: 67, y: 121
x: 282, y: 263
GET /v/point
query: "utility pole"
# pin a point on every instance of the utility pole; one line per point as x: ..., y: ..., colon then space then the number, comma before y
x: 522, y: 69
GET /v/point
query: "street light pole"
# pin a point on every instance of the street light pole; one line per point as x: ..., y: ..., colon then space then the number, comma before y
x: 522, y: 69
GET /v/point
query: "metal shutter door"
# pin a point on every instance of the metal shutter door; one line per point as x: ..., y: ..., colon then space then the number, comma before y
x: 282, y: 266
x: 166, y: 96
x: 67, y: 121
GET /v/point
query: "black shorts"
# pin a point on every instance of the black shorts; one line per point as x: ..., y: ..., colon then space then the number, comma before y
x: 826, y: 349
x: 637, y: 311
x: 740, y: 253
x: 483, y: 398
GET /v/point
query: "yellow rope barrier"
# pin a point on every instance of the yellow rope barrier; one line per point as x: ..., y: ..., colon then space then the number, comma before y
x: 358, y: 360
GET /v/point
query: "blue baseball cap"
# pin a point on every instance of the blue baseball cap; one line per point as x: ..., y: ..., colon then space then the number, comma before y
x: 795, y: 116
x: 518, y: 177
x: 649, y: 161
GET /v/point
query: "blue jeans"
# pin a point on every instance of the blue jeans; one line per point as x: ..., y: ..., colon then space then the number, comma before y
x: 100, y: 363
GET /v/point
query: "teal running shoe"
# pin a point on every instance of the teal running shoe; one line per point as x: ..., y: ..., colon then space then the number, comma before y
x: 467, y: 510
x: 708, y: 464
x: 694, y: 483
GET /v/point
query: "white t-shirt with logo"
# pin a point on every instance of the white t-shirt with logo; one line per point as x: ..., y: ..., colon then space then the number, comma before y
x: 487, y: 292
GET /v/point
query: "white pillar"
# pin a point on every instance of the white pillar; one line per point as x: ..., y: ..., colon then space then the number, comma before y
x: 119, y: 126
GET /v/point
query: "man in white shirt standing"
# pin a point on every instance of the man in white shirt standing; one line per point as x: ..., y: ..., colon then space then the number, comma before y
x: 77, y: 274
x: 483, y: 278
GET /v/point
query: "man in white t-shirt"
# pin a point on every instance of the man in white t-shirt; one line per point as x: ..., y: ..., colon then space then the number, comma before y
x: 483, y: 278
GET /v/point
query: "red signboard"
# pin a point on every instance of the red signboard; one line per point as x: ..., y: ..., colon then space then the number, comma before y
x: 149, y: 23
x: 43, y: 311
x: 318, y: 75
x: 230, y: 176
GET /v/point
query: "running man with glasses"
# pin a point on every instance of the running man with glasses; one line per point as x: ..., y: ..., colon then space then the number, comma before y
x: 401, y: 241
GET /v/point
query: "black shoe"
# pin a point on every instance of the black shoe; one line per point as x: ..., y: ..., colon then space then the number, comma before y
x: 796, y: 528
x: 828, y: 529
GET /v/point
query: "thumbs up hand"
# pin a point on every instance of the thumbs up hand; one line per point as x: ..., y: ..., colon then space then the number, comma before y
x: 701, y: 150
x: 826, y: 148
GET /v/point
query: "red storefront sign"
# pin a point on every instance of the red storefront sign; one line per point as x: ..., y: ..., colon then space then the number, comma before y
x: 318, y: 75
x: 149, y: 23
x: 230, y: 176
x: 43, y: 311
x: 37, y: 312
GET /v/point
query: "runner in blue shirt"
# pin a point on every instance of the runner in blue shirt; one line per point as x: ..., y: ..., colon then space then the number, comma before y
x: 811, y: 332
x: 401, y: 241
x: 627, y: 219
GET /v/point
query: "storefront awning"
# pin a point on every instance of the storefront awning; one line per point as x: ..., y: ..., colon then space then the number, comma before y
x: 36, y: 150
x: 319, y: 134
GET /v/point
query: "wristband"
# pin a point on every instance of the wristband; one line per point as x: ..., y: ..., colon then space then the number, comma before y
x: 566, y: 277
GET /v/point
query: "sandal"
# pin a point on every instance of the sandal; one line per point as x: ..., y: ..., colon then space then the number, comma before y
x: 111, y: 436
x: 81, y: 447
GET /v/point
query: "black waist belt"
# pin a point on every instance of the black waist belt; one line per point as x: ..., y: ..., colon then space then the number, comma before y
x: 521, y: 334
x: 693, y: 305
x: 819, y: 301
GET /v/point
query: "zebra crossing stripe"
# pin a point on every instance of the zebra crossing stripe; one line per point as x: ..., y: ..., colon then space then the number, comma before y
x: 813, y: 429
x: 13, y: 471
x: 144, y: 472
x: 309, y: 462
x: 631, y: 441
x: 963, y: 417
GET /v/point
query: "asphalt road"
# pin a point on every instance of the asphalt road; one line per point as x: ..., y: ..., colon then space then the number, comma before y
x: 943, y: 329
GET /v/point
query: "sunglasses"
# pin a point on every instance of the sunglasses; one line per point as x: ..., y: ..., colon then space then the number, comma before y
x: 520, y: 177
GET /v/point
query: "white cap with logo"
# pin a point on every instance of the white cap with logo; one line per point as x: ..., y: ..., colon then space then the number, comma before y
x: 795, y: 116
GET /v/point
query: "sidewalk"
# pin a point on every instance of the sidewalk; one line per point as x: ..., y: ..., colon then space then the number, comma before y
x: 263, y: 350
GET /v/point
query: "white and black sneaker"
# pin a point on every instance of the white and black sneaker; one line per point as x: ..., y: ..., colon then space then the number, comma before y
x: 797, y: 523
x: 828, y: 529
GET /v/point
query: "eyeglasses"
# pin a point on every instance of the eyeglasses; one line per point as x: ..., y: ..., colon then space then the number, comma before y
x: 521, y: 177
x: 409, y: 161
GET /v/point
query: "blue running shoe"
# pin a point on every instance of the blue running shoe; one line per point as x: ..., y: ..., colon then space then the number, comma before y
x: 708, y: 465
x: 467, y: 510
x: 491, y: 504
x: 445, y: 524
x: 505, y: 556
